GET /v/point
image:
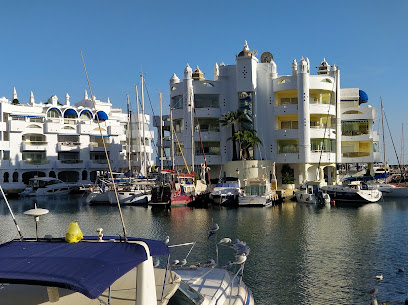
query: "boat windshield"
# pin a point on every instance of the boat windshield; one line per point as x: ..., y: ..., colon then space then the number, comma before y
x: 186, y: 295
x: 227, y: 185
x: 255, y: 190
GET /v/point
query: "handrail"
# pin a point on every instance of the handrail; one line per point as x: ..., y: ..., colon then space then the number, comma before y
x: 232, y: 280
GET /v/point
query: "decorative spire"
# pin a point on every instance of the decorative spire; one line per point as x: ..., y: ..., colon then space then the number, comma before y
x: 15, y: 94
x: 174, y: 79
x: 67, y: 100
x: 108, y: 100
x: 86, y: 95
x: 294, y: 67
x: 32, y: 100
x: 188, y: 72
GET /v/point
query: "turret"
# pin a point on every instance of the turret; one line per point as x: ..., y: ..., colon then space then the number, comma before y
x: 174, y: 79
x: 323, y: 68
x: 15, y: 98
x: 198, y: 74
x: 86, y: 95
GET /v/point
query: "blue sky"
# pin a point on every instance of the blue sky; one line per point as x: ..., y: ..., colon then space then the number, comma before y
x: 41, y: 43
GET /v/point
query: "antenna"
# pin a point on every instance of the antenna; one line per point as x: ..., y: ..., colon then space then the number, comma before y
x: 36, y: 213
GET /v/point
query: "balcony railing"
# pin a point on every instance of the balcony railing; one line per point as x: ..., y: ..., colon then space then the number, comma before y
x: 36, y: 162
x: 355, y: 154
x: 354, y: 132
x: 71, y: 161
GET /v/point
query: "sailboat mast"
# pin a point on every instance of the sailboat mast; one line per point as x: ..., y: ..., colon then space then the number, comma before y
x: 192, y: 130
x: 129, y: 133
x: 143, y: 128
x: 383, y: 135
x: 402, y: 146
x: 172, y: 140
x: 138, y: 141
x: 161, y: 131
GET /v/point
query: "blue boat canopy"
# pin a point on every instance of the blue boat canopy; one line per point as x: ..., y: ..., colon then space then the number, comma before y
x: 101, y: 115
x: 85, y: 267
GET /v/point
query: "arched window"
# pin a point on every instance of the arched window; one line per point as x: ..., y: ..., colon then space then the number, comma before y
x: 326, y: 80
x: 208, y: 84
x: 6, y: 177
x: 283, y: 81
x: 52, y: 174
x: 53, y: 113
x: 15, y: 177
x: 33, y: 126
x: 84, y: 175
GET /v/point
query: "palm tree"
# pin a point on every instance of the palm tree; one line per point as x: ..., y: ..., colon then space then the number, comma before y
x: 247, y: 139
x: 230, y: 119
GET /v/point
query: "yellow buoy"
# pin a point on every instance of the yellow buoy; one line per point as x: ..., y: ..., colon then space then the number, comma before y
x: 74, y: 233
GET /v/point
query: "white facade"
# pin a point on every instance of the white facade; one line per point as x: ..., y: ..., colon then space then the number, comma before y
x: 297, y: 117
x: 65, y: 141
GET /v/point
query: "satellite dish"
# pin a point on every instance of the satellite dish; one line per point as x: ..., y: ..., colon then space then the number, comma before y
x: 266, y: 57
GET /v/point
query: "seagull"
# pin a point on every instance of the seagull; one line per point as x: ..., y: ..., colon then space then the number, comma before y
x: 225, y: 241
x: 183, y: 262
x: 175, y: 262
x: 379, y: 277
x: 240, y: 259
x: 215, y: 227
x: 373, y: 291
x: 166, y: 240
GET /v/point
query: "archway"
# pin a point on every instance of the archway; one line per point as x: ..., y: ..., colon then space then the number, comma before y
x: 28, y: 175
x: 68, y: 176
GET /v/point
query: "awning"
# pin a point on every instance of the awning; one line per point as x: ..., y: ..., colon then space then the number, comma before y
x: 54, y: 108
x: 26, y: 116
x: 354, y: 121
x: 101, y: 115
x: 86, y: 111
x: 85, y: 267
x: 70, y: 112
x: 68, y: 135
x: 98, y: 135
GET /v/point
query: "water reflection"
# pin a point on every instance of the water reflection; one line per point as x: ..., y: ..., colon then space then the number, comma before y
x: 300, y: 254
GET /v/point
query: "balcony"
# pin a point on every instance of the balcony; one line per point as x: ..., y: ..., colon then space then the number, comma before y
x: 34, y: 145
x: 16, y: 126
x: 68, y: 146
x: 84, y: 128
x: 286, y: 109
x: 35, y: 164
x: 208, y: 112
x: 316, y: 108
x: 324, y: 157
x: 69, y: 164
x: 358, y: 157
x: 52, y: 127
x: 98, y: 164
x: 207, y: 136
x: 287, y: 158
x: 287, y: 133
x: 320, y: 132
x: 94, y: 146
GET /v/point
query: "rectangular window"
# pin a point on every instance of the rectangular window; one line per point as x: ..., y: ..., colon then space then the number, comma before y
x: 6, y: 155
x: 210, y: 148
x: 325, y: 145
x: 178, y: 125
x: 6, y: 136
x: 288, y: 146
x: 36, y: 120
x: 178, y: 148
x: 98, y: 157
x: 288, y: 101
x: 98, y: 142
x: 18, y: 118
x: 35, y: 157
x: 207, y: 125
x: 206, y: 101
x: 289, y: 124
x: 68, y: 139
x: 355, y: 128
x: 177, y: 102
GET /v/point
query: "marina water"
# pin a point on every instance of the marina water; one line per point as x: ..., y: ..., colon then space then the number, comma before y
x: 299, y: 254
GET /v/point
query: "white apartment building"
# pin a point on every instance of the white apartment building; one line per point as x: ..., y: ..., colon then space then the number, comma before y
x: 65, y: 141
x: 304, y: 121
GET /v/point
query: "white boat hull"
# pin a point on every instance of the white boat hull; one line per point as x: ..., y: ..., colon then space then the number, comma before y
x: 254, y: 201
x: 130, y: 197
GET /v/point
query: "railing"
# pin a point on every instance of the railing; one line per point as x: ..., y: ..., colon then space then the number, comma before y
x: 289, y: 149
x: 100, y: 161
x: 70, y: 143
x: 354, y: 132
x: 28, y: 161
x: 96, y: 144
x: 35, y: 142
x: 240, y: 270
x: 71, y: 161
x: 355, y: 154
